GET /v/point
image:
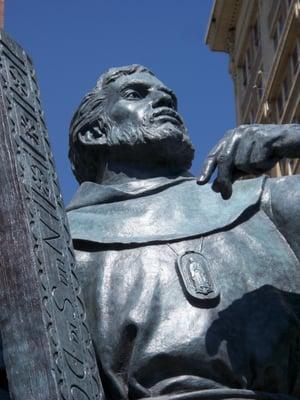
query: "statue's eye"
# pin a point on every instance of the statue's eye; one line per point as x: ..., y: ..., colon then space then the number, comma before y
x: 131, y: 94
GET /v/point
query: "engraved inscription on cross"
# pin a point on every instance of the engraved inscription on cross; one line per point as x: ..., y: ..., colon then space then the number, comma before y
x: 47, y: 347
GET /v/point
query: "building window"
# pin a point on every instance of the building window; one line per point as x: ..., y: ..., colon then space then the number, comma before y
x: 249, y: 118
x: 259, y: 89
x: 285, y: 86
x: 249, y: 59
x: 295, y: 60
x: 275, y: 39
x: 259, y: 83
x: 280, y: 24
x: 256, y: 34
x: 278, y: 28
x: 244, y: 75
x: 279, y: 104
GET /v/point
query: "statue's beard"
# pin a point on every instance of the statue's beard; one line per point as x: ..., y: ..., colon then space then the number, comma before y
x: 158, y: 145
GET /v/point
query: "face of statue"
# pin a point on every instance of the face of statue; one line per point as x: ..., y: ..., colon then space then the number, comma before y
x: 141, y: 99
x: 146, y: 126
x: 139, y: 126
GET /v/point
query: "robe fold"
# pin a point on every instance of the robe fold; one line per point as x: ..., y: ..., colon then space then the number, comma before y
x: 152, y: 337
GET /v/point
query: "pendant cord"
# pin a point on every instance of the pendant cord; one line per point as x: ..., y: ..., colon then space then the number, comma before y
x: 176, y: 253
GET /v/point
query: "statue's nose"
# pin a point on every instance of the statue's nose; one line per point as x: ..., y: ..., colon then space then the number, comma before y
x: 161, y: 99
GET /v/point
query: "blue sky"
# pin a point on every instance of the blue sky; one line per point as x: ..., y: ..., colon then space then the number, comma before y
x: 73, y: 41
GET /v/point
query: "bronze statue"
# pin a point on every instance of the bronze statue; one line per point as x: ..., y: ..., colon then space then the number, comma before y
x: 191, y: 290
x: 190, y: 293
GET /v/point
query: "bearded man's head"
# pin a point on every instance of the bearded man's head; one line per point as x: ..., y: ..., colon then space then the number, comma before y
x: 129, y: 117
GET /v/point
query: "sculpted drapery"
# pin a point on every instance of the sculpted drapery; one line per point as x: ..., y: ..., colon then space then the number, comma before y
x: 192, y: 290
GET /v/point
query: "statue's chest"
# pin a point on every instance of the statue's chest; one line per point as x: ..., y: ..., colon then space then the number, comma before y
x: 238, y: 259
x: 221, y: 266
x: 247, y: 272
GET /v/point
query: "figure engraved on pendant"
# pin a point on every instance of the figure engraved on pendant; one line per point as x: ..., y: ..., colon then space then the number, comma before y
x: 201, y: 282
x: 195, y: 272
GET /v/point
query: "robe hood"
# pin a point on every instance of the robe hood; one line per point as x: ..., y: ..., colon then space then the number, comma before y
x: 156, y: 210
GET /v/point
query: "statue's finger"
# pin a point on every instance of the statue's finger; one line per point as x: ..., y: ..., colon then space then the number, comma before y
x: 224, y: 178
x: 215, y: 186
x: 209, y: 166
x: 210, y: 163
x: 226, y: 165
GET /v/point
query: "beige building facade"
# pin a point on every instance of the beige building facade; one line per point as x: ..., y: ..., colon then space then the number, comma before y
x: 262, y: 39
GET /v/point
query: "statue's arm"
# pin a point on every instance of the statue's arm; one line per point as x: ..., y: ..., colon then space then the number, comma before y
x: 281, y: 202
x: 249, y: 149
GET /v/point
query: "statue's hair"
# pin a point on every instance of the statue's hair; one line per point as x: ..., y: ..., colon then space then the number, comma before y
x: 91, y: 116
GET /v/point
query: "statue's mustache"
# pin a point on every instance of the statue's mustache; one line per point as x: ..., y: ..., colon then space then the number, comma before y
x: 166, y: 114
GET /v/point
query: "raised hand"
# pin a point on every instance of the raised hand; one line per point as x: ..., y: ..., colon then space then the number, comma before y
x: 248, y: 149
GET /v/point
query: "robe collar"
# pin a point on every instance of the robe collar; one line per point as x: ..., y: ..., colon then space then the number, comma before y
x: 157, y: 210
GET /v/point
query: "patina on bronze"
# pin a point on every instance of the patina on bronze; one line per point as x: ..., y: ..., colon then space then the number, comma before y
x: 47, y: 349
x: 138, y: 208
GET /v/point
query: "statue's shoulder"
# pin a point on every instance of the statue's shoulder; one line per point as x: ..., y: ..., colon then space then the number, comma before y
x: 281, y: 202
x: 283, y: 185
x: 281, y: 198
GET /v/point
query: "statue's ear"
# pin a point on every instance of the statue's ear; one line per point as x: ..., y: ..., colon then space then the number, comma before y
x: 92, y: 137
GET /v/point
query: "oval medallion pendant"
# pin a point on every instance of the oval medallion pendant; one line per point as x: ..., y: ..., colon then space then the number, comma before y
x: 195, y: 274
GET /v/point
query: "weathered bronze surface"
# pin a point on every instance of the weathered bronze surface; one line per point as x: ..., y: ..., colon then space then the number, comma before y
x: 192, y: 291
x: 47, y: 349
x: 138, y: 211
